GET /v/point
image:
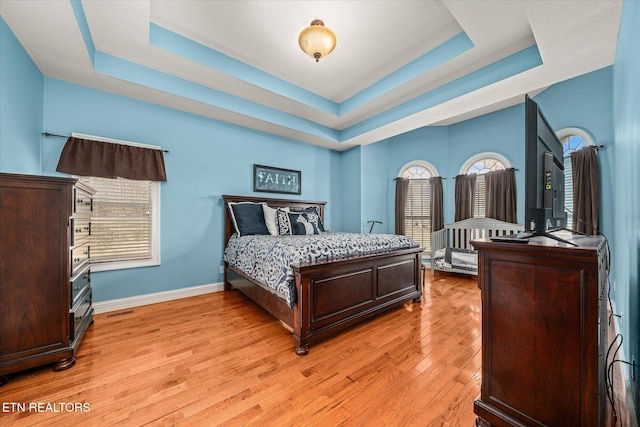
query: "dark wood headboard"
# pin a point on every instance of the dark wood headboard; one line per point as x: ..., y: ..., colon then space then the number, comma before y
x: 294, y: 205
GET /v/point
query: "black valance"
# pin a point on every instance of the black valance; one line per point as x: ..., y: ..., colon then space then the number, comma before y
x: 86, y: 157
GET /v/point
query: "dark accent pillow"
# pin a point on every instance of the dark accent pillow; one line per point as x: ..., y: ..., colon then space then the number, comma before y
x: 313, y: 211
x: 304, y: 223
x: 248, y: 218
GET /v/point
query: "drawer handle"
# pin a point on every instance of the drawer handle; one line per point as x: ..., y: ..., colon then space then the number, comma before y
x: 76, y: 260
x: 78, y: 230
x: 76, y: 288
x: 79, y: 200
x: 86, y: 252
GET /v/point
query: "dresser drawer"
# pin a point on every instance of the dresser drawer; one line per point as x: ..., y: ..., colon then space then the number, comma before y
x: 82, y: 202
x: 79, y: 284
x: 78, y: 312
x: 80, y: 230
x: 79, y: 256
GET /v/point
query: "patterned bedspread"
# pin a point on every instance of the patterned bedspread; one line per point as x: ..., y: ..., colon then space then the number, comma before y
x: 268, y: 259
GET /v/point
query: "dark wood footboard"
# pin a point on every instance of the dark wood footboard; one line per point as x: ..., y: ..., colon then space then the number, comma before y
x: 334, y: 295
x: 337, y: 294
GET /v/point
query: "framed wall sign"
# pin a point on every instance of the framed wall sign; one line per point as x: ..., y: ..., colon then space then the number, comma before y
x: 276, y: 180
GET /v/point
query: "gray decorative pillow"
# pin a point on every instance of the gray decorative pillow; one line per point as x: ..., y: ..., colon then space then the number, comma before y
x: 305, y: 223
x: 317, y: 220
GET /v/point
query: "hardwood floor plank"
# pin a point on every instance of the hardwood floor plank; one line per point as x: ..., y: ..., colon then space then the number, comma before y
x: 220, y: 360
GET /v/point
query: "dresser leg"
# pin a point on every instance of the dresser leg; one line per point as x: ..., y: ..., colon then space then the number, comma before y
x: 64, y: 364
x: 480, y: 422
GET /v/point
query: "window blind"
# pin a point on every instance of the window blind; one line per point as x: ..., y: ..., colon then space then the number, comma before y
x: 121, y: 225
x: 418, y: 213
x: 568, y: 190
x: 479, y: 208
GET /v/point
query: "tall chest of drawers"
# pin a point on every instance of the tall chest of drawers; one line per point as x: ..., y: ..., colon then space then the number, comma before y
x: 45, y: 272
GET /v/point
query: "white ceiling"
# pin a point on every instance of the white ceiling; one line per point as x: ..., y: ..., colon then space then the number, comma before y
x: 398, y: 65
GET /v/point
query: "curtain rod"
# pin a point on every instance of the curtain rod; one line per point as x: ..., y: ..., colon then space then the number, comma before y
x: 53, y: 135
x: 480, y: 174
x: 417, y: 179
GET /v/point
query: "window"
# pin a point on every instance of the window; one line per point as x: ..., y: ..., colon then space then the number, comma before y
x: 572, y: 139
x: 479, y: 165
x: 418, y: 208
x: 125, y: 226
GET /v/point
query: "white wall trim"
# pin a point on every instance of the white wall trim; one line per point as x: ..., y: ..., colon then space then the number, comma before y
x: 139, y: 300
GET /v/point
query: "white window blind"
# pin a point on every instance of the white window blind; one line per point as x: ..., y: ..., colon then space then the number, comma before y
x: 479, y: 207
x: 570, y: 143
x: 418, y: 212
x: 568, y: 190
x: 122, y: 221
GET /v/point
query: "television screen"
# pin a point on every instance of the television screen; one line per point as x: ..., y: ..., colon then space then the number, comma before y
x: 544, y: 173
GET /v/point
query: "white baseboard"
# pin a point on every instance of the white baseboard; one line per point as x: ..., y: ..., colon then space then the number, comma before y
x: 138, y: 300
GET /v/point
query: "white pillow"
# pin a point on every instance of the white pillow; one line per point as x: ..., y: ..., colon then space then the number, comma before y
x: 270, y: 219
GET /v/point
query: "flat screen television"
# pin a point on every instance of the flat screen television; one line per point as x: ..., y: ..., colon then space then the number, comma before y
x: 544, y: 174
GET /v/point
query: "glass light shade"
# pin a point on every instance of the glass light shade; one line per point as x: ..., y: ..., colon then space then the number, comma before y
x: 316, y: 40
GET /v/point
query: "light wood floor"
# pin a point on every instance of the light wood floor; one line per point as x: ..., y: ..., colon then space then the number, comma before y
x: 218, y: 359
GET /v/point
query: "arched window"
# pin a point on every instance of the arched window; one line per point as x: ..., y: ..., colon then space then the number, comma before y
x: 418, y: 205
x: 480, y: 164
x: 573, y: 139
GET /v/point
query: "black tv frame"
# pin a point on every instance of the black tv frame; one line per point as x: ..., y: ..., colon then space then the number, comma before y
x: 544, y: 175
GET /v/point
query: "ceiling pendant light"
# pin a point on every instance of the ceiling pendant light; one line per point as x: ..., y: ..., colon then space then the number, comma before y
x: 316, y: 40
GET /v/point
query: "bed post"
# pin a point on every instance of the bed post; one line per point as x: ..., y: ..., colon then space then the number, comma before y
x: 300, y: 314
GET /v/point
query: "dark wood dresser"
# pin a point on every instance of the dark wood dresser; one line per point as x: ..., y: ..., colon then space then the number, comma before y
x: 544, y: 332
x: 45, y: 277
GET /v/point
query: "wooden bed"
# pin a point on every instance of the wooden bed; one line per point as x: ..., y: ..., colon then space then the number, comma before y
x: 460, y: 234
x: 334, y: 294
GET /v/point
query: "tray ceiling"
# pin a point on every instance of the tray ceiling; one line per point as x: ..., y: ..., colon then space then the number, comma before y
x: 398, y: 65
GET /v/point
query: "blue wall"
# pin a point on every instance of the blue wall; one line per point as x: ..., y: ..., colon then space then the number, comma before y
x: 500, y: 132
x: 626, y: 199
x: 207, y: 159
x: 430, y: 144
x: 375, y: 185
x: 350, y: 191
x: 21, y: 87
x: 584, y: 102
